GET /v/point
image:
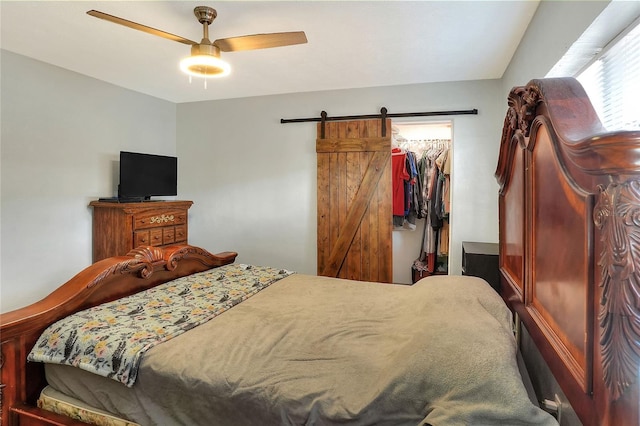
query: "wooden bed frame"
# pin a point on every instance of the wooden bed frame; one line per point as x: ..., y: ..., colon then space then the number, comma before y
x: 106, y: 280
x: 569, y: 259
x: 569, y: 210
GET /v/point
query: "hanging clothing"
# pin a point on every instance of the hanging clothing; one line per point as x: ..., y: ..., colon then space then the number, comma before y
x: 446, y: 193
x: 429, y: 168
x: 435, y: 167
x: 399, y: 176
x: 421, y: 188
x: 444, y: 166
x: 410, y: 213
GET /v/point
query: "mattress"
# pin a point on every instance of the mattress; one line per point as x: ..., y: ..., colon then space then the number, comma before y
x: 315, y: 350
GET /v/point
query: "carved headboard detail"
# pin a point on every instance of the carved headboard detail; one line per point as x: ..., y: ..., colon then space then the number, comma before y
x: 570, y: 244
x: 617, y: 217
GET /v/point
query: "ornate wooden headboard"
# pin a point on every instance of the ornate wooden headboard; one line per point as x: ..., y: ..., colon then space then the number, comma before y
x: 569, y: 210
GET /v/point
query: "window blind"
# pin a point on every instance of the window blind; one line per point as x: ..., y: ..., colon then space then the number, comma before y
x: 612, y: 82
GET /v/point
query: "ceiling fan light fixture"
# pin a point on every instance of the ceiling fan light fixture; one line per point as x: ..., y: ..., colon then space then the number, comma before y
x: 206, y: 66
x: 205, y: 59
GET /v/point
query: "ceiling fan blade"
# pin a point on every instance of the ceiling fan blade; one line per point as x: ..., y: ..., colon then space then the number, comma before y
x: 260, y: 41
x: 140, y: 27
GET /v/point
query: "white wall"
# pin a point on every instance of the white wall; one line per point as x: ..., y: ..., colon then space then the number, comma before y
x: 60, y: 140
x: 253, y: 180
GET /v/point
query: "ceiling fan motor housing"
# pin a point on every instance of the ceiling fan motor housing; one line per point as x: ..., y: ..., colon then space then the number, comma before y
x: 205, y: 49
x: 205, y: 14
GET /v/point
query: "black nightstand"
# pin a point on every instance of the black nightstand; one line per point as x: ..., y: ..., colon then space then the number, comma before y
x: 481, y: 260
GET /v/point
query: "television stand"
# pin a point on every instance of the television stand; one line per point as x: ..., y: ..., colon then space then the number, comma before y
x: 119, y: 226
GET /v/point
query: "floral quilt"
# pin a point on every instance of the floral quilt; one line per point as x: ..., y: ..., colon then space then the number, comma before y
x: 111, y: 338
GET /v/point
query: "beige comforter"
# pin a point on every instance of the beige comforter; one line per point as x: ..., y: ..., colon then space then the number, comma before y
x: 316, y: 351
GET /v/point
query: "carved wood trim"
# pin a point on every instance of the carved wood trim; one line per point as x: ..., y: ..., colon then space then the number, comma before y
x: 617, y: 217
x: 2, y: 385
x: 526, y: 107
x: 522, y: 102
x: 136, y: 264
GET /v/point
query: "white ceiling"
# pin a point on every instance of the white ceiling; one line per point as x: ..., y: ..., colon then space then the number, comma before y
x: 351, y: 43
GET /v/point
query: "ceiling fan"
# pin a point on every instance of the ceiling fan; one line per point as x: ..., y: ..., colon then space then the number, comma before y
x: 205, y: 56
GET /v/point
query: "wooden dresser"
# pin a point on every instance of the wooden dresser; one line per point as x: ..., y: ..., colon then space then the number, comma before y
x: 120, y: 227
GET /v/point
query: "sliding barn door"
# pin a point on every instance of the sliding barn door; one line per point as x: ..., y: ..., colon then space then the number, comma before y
x: 354, y: 200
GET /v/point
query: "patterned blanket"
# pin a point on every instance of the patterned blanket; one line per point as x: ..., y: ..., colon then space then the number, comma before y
x: 111, y: 338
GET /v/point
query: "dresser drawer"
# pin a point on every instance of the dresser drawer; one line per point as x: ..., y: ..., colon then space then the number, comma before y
x: 141, y: 238
x: 155, y: 235
x: 149, y: 237
x: 157, y: 219
x: 168, y: 235
x: 180, y: 233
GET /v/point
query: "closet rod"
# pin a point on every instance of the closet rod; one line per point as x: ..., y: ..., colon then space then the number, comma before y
x: 393, y: 115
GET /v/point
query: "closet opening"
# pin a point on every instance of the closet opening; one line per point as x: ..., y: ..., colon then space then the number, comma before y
x: 421, y: 170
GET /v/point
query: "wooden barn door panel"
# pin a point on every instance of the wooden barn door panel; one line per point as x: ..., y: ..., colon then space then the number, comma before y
x: 354, y: 200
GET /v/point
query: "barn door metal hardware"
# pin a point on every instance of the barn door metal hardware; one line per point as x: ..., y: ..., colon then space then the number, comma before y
x: 383, y: 116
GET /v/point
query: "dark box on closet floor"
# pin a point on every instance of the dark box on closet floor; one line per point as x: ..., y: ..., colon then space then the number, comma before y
x: 481, y: 260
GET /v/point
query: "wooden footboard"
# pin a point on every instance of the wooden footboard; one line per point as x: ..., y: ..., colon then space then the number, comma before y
x: 569, y: 210
x: 107, y: 280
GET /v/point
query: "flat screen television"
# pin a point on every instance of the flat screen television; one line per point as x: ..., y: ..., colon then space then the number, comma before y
x: 143, y: 176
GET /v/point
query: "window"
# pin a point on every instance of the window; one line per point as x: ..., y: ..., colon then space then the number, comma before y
x: 612, y: 82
